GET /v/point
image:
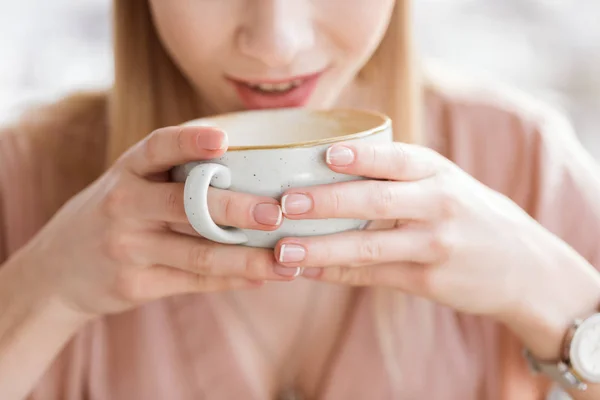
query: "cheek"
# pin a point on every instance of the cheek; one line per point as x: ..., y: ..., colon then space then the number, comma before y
x: 194, y: 32
x: 357, y: 26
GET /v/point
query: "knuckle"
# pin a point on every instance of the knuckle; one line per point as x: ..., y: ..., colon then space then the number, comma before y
x: 352, y: 276
x: 174, y: 203
x: 440, y: 246
x: 201, y: 258
x: 254, y: 266
x: 383, y: 199
x: 448, y: 203
x: 426, y: 281
x: 371, y: 155
x: 201, y: 282
x: 399, y: 156
x: 365, y: 276
x: 335, y: 201
x: 227, y: 208
x: 128, y: 287
x: 323, y: 253
x: 119, y: 247
x: 116, y: 200
x: 369, y: 251
x: 342, y: 274
x: 152, y: 148
x: 180, y: 140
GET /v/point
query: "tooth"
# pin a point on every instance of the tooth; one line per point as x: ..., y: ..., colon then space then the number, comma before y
x: 275, y: 87
x: 266, y: 86
x: 283, y: 86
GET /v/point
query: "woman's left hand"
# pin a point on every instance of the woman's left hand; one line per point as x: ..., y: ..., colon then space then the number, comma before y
x: 449, y: 237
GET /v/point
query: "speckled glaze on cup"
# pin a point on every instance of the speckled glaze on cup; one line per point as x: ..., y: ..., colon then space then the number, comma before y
x: 271, y: 151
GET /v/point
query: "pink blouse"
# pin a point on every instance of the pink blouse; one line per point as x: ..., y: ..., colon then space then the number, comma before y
x: 177, y: 348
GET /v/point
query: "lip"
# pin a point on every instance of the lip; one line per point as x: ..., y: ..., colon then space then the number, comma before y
x: 296, y: 97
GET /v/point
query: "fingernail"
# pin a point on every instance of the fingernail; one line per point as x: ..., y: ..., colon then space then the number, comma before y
x: 287, y: 272
x: 268, y: 214
x: 296, y: 203
x: 291, y: 253
x: 312, y: 273
x: 213, y: 140
x: 339, y: 156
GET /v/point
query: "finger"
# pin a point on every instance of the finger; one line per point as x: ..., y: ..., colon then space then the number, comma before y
x: 243, y: 210
x: 392, y: 161
x: 410, y: 278
x: 204, y: 257
x: 160, y: 281
x: 358, y: 248
x: 158, y: 201
x: 172, y: 146
x: 150, y: 201
x: 367, y: 200
x: 184, y: 229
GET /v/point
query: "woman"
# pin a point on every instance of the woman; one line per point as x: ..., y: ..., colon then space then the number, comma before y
x: 483, y: 241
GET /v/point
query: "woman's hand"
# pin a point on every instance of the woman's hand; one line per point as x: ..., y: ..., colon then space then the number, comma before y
x: 448, y: 237
x: 125, y: 240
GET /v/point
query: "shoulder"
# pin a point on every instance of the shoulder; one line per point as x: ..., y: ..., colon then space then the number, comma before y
x: 60, y: 146
x: 69, y: 119
x: 525, y: 150
x: 473, y: 98
x: 497, y: 133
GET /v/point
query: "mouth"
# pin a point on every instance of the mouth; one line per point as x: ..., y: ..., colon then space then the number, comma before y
x: 275, y: 88
x: 276, y: 93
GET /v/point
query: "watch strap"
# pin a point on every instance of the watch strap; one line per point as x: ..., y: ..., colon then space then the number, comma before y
x: 559, y: 372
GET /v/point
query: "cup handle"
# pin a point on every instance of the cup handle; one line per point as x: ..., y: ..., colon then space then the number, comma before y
x: 196, y: 203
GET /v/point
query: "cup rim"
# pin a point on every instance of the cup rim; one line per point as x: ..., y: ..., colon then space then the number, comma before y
x: 386, y: 123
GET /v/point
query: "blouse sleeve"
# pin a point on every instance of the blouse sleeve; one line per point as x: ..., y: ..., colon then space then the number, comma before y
x: 565, y: 187
x: 3, y: 227
x: 3, y: 253
x: 558, y: 183
x: 65, y: 377
x: 531, y: 155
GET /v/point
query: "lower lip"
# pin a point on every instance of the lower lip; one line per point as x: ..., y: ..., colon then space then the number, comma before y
x: 296, y: 97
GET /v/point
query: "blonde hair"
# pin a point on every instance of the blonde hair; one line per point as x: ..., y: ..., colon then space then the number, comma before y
x: 150, y: 92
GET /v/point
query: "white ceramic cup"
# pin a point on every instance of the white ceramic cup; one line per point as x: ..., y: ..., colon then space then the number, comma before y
x: 271, y: 151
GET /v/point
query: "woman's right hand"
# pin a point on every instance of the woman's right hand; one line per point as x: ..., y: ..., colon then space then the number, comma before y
x: 125, y: 240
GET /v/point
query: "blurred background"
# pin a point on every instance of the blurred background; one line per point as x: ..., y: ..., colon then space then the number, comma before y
x: 550, y: 48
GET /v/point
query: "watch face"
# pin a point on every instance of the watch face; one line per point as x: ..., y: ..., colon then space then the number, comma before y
x: 585, y: 350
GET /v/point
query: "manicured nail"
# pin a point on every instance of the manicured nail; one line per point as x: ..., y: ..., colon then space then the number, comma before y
x: 213, y: 139
x: 287, y: 272
x: 291, y: 253
x: 340, y: 156
x: 296, y: 203
x: 268, y: 214
x: 312, y: 273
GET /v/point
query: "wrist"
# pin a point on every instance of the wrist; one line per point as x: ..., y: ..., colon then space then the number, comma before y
x: 563, y: 289
x: 34, y: 327
x: 28, y: 295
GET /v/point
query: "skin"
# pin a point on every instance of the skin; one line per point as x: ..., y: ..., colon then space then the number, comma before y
x: 270, y: 39
x: 448, y: 226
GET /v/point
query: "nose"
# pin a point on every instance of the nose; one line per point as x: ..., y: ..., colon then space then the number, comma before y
x: 274, y: 32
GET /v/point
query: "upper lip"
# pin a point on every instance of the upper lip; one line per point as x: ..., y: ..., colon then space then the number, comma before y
x: 258, y: 81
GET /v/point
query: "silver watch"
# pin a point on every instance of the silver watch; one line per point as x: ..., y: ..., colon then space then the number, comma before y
x: 579, y: 364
